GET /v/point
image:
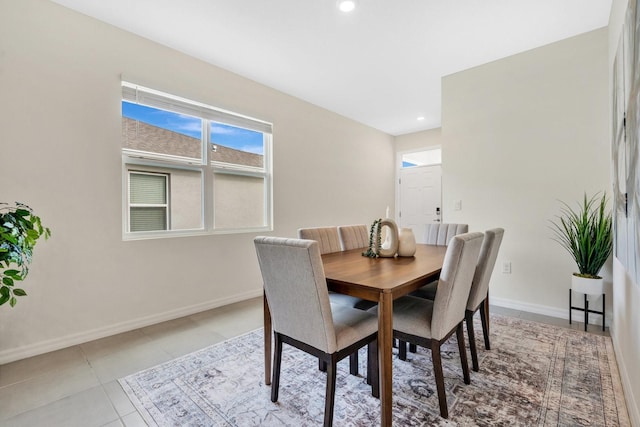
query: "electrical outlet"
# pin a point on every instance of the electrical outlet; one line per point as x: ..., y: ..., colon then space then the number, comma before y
x: 506, y: 267
x: 457, y: 205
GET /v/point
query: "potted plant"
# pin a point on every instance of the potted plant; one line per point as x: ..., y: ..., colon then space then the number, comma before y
x: 20, y: 230
x: 586, y: 233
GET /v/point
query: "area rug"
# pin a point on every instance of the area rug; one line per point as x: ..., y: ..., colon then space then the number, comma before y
x: 534, y: 375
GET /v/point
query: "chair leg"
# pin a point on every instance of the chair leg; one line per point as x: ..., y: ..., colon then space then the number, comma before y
x: 277, y: 358
x: 373, y: 369
x: 463, y: 353
x: 484, y: 318
x: 468, y: 315
x: 402, y: 350
x: 322, y: 365
x: 369, y: 358
x: 331, y: 391
x: 413, y: 348
x: 437, y: 371
x: 353, y: 362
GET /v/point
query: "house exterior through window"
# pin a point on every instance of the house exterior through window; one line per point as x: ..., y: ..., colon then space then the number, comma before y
x: 189, y: 168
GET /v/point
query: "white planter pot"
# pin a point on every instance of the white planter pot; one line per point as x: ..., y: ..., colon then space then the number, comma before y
x: 587, y: 286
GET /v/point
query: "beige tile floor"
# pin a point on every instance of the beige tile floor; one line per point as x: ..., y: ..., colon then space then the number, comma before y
x: 78, y: 386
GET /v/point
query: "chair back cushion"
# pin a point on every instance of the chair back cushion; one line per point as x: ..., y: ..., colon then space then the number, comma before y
x: 327, y: 238
x: 486, y: 263
x: 441, y: 234
x: 353, y: 236
x: 455, y: 283
x: 296, y: 290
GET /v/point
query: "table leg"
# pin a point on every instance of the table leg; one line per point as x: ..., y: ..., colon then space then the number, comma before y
x: 267, y: 341
x: 385, y: 343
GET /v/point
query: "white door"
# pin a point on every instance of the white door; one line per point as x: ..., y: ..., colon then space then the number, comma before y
x: 420, y: 198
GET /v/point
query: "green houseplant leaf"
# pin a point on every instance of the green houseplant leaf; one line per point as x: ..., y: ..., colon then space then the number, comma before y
x: 586, y: 233
x: 20, y: 230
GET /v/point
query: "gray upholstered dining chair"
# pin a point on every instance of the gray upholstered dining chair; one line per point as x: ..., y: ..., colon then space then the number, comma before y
x: 479, y: 294
x: 303, y: 317
x: 441, y: 233
x: 429, y: 323
x: 353, y: 236
x: 328, y: 239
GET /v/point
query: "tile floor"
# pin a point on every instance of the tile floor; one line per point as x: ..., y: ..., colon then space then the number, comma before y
x: 78, y: 386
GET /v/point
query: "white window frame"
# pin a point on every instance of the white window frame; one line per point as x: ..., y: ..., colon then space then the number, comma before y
x: 138, y: 160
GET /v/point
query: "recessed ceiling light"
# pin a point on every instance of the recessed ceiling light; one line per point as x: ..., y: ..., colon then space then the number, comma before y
x: 420, y: 118
x: 346, y: 5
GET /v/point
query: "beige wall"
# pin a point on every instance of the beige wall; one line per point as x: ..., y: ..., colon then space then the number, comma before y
x: 60, y: 136
x: 520, y: 134
x: 419, y: 140
x: 626, y: 294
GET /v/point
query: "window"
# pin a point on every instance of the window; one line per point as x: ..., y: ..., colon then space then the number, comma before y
x: 429, y: 157
x: 148, y: 207
x: 190, y: 168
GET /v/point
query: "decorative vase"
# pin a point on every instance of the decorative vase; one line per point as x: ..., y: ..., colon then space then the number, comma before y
x: 406, y: 242
x: 386, y: 243
x: 390, y: 248
x: 587, y: 285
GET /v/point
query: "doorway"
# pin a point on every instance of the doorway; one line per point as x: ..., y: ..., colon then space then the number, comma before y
x: 420, y: 191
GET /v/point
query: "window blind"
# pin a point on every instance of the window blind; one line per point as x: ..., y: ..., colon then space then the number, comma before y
x: 147, y: 189
x: 148, y: 219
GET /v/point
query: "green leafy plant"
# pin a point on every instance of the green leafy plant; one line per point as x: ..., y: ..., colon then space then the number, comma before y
x: 374, y: 240
x: 586, y: 233
x: 20, y: 230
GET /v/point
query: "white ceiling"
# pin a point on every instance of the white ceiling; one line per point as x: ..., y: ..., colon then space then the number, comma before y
x: 380, y: 65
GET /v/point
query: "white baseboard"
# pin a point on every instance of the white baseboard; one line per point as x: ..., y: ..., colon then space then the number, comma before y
x: 561, y: 313
x: 42, y: 347
x: 632, y: 402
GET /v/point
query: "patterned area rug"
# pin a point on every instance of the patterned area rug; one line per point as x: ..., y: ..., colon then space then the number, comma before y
x: 535, y: 375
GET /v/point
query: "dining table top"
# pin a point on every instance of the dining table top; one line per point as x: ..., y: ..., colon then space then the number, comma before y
x: 395, y: 275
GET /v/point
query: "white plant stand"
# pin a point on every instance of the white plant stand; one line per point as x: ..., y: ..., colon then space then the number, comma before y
x: 587, y: 287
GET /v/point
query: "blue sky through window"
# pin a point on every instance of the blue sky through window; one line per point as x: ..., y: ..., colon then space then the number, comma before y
x: 221, y: 134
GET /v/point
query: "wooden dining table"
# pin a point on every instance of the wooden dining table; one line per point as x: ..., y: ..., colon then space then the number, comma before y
x: 374, y: 279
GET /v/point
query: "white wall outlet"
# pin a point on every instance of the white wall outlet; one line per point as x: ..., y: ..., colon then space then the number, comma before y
x: 506, y: 267
x: 457, y: 205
